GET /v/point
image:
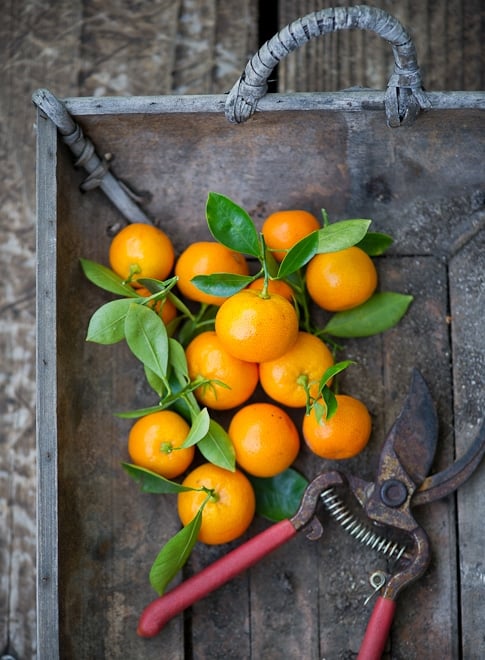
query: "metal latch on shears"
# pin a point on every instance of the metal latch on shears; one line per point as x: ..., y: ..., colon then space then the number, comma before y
x: 402, y: 482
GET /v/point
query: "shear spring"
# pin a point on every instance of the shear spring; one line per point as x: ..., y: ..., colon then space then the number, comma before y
x: 357, y: 529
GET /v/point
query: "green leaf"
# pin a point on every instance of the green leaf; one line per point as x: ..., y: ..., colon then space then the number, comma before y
x: 299, y: 255
x: 151, y: 482
x: 341, y: 235
x: 231, y: 225
x: 375, y: 243
x: 155, y: 382
x: 279, y: 497
x: 174, y: 554
x: 381, y: 312
x: 199, y: 428
x: 140, y: 412
x: 332, y: 371
x: 217, y: 447
x: 221, y: 284
x: 146, y: 335
x: 157, y: 286
x: 107, y: 324
x: 179, y: 304
x: 272, y: 266
x: 178, y: 360
x: 106, y: 279
x: 319, y: 410
x: 177, y: 383
x: 330, y: 403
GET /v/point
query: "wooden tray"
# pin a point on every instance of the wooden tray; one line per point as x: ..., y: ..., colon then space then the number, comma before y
x: 98, y: 535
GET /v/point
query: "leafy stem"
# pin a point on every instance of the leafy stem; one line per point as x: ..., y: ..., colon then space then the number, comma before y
x: 264, y: 264
x: 177, y: 550
x: 297, y: 283
x: 323, y: 401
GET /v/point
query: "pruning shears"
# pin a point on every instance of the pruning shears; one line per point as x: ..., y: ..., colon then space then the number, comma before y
x: 401, y: 482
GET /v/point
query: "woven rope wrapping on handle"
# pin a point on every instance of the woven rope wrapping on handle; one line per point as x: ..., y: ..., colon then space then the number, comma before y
x: 404, y: 96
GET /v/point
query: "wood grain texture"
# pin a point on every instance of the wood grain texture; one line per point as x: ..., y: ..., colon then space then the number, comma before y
x: 446, y: 34
x: 94, y: 557
x: 39, y: 43
x: 467, y: 293
x: 127, y: 48
x: 89, y: 47
x: 75, y: 49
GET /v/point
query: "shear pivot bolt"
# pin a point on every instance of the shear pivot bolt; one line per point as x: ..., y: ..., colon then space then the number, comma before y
x: 393, y: 492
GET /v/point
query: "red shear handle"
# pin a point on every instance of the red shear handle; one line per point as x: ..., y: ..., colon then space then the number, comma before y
x: 378, y: 629
x: 162, y: 609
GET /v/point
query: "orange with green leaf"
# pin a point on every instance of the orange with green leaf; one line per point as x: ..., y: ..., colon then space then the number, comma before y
x: 259, y: 322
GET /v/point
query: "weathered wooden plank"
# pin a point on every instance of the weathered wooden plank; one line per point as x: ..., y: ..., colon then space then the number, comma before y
x: 352, y: 101
x: 422, y: 340
x: 334, y: 61
x: 220, y: 625
x: 472, y: 68
x: 236, y: 38
x: 47, y: 423
x: 384, y: 379
x: 38, y: 45
x: 446, y: 35
x: 345, y: 564
x: 195, y: 50
x: 467, y: 289
x: 122, y: 52
x: 107, y: 540
x: 384, y: 367
x: 436, y: 56
x: 213, y: 39
x: 41, y: 44
x: 128, y: 50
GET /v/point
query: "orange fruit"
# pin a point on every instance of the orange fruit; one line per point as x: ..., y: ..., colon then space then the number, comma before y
x: 206, y: 258
x: 274, y: 286
x: 284, y: 379
x: 341, y: 280
x: 154, y: 442
x: 342, y: 436
x: 229, y: 511
x: 283, y: 229
x: 265, y: 439
x: 142, y: 247
x: 254, y: 328
x: 165, y: 308
x: 207, y: 357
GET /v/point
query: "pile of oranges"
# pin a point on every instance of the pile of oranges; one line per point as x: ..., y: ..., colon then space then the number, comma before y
x: 231, y: 333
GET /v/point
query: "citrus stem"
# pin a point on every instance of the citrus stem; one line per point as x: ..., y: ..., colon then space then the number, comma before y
x: 181, y: 306
x: 199, y: 320
x: 191, y: 401
x: 212, y: 495
x: 302, y: 300
x: 166, y: 384
x: 206, y: 323
x: 264, y: 263
x: 134, y: 270
x: 303, y: 382
x: 163, y: 291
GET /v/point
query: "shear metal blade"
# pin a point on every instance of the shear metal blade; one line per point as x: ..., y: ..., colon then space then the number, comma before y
x: 443, y: 483
x: 415, y: 432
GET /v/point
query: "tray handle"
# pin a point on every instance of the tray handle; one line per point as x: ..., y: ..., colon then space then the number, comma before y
x: 404, y: 96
